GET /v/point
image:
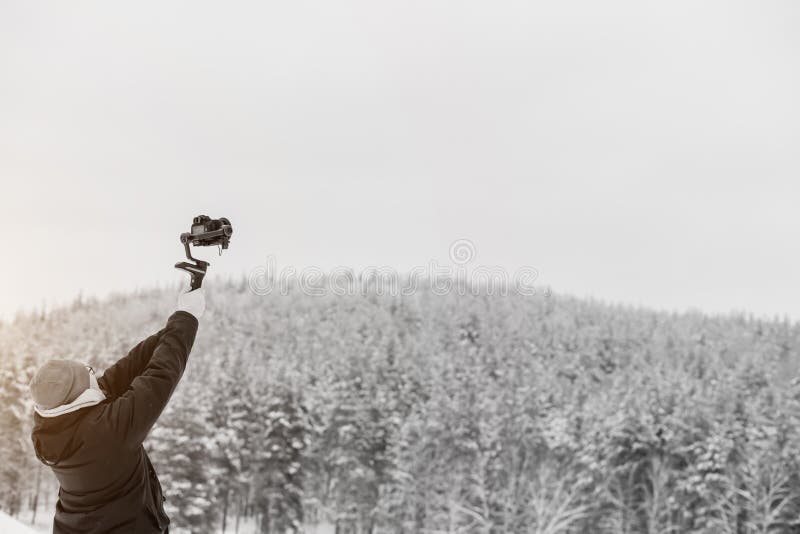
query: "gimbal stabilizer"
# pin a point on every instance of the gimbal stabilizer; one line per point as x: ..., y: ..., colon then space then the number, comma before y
x: 205, y: 232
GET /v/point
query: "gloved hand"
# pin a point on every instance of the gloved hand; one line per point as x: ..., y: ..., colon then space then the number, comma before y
x: 193, y: 302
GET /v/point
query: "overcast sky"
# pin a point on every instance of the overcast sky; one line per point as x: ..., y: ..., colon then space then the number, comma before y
x: 632, y: 151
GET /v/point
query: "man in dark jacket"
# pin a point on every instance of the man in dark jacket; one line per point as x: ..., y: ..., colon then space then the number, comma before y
x: 89, y: 430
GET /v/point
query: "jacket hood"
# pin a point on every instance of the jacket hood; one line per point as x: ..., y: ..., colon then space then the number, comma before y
x: 89, y: 397
x: 55, y: 439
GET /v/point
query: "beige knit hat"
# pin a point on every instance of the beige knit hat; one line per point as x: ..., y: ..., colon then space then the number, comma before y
x: 58, y: 382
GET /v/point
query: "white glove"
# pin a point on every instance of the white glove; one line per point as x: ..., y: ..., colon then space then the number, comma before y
x: 193, y: 302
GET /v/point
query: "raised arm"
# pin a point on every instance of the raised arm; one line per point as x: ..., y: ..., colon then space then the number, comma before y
x: 135, y: 412
x: 117, y: 378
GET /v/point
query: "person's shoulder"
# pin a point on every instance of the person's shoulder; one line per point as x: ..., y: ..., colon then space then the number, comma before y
x: 108, y: 424
x: 98, y: 422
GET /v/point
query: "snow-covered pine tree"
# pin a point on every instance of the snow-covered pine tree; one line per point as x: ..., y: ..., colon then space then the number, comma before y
x: 15, y: 419
x: 232, y: 417
x: 182, y: 449
x: 277, y: 462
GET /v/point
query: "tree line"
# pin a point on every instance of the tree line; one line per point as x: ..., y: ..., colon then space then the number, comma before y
x: 443, y: 413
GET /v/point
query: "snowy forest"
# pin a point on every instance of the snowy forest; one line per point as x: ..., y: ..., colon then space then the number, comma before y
x: 442, y: 414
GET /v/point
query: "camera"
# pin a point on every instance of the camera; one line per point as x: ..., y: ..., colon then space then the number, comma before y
x: 206, y: 232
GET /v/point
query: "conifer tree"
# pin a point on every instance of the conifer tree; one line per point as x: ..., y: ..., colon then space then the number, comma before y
x: 278, y: 468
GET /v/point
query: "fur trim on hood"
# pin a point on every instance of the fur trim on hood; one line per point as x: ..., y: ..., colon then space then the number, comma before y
x: 89, y: 397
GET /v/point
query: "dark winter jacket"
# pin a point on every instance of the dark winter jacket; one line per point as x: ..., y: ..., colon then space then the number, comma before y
x: 107, y: 482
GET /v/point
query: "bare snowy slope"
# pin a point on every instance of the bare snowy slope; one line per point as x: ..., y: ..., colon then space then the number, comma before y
x: 9, y: 525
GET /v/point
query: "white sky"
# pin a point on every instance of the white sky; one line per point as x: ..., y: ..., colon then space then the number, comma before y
x: 633, y: 151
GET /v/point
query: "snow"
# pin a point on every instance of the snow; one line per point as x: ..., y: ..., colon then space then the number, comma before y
x: 9, y: 525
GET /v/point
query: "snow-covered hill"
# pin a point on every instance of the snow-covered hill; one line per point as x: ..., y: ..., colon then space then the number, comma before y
x: 9, y: 525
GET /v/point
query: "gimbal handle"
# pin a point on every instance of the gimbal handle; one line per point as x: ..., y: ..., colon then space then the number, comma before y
x: 196, y: 270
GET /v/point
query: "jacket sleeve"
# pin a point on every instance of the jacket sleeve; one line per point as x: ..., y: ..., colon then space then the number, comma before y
x: 118, y: 377
x: 134, y: 413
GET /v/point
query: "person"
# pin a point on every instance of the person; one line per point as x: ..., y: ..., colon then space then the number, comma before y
x: 90, y: 431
